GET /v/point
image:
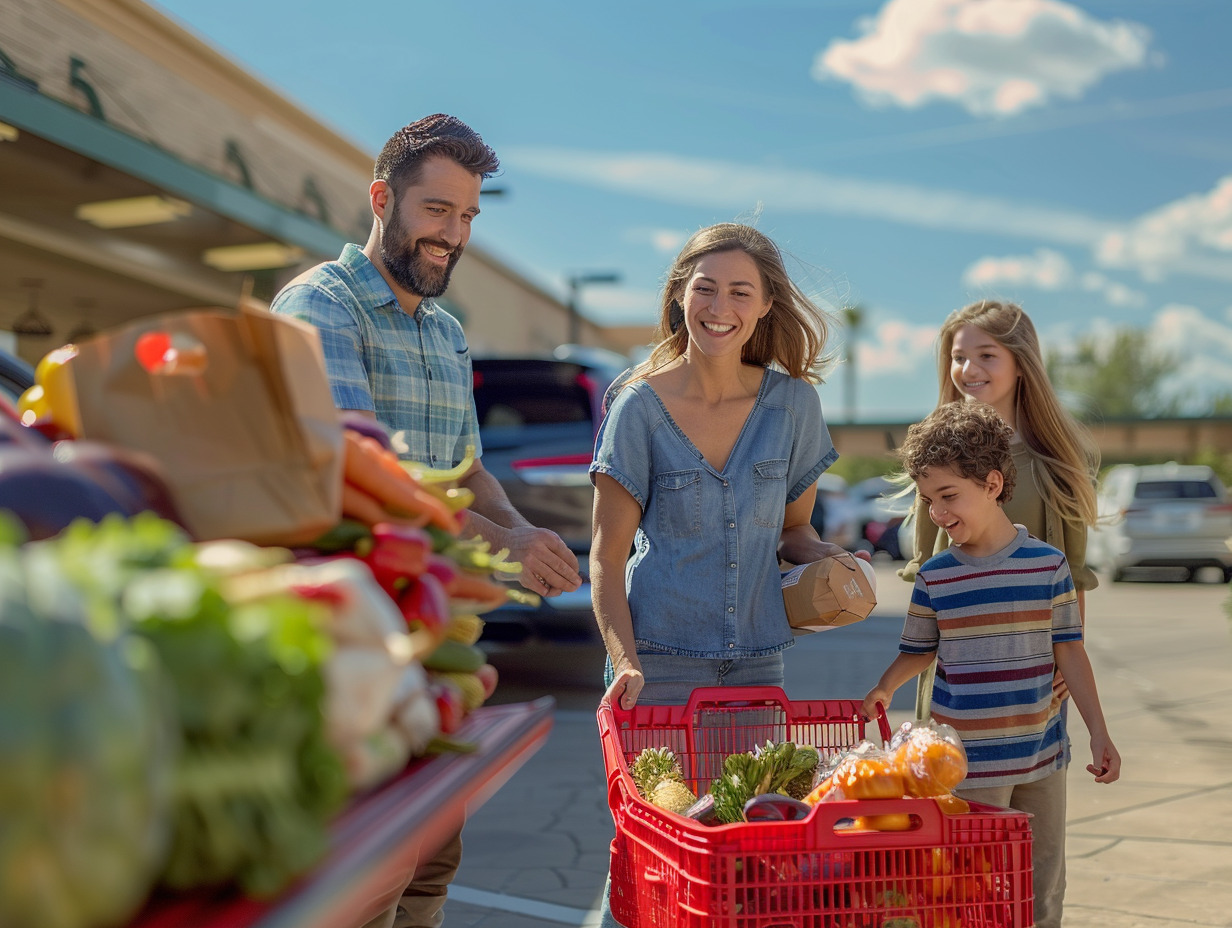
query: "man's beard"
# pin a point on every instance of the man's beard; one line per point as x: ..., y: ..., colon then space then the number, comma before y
x: 413, y: 273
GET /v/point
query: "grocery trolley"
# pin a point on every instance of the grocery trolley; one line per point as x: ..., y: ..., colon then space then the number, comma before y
x: 971, y: 870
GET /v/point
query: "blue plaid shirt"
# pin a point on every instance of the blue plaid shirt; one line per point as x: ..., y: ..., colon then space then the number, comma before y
x: 413, y: 371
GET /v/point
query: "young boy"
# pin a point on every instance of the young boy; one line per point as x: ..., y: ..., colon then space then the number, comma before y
x: 999, y: 612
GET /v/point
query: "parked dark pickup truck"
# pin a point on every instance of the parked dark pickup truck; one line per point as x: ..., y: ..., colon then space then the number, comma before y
x: 537, y: 419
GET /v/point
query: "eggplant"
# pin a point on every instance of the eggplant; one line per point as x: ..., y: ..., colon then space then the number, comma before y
x: 13, y: 433
x: 703, y: 810
x: 774, y: 807
x: 357, y: 422
x: 133, y: 478
x: 45, y: 495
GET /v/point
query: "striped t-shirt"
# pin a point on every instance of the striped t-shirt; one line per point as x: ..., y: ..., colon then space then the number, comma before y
x: 993, y: 622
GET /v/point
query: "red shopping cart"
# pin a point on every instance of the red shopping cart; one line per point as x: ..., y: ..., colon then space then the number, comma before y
x: 946, y: 871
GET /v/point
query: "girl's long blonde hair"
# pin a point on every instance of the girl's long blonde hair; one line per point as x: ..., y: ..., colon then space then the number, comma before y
x: 1067, y: 449
x: 792, y: 334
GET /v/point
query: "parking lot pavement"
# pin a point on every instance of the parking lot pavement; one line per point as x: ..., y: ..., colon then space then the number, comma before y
x: 1154, y: 849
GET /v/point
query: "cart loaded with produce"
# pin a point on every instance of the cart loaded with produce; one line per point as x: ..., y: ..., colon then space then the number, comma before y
x: 747, y: 810
x: 238, y: 670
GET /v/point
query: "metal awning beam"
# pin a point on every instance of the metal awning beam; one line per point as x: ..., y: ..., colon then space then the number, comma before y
x: 57, y: 122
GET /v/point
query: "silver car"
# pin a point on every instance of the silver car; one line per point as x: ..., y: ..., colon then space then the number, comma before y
x: 1162, y: 515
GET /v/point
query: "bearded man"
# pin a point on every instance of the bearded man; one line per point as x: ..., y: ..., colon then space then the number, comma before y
x: 393, y: 354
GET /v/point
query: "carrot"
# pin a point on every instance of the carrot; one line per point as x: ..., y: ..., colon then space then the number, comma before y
x: 357, y: 504
x: 469, y: 586
x: 468, y: 591
x: 377, y: 472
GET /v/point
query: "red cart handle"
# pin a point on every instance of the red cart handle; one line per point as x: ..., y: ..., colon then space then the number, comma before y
x: 707, y: 697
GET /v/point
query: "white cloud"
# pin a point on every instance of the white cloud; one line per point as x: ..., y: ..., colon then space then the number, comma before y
x: 898, y: 347
x: 733, y: 188
x: 1044, y: 270
x: 664, y: 241
x: 992, y: 57
x: 1115, y: 292
x: 1191, y: 235
x: 1201, y: 345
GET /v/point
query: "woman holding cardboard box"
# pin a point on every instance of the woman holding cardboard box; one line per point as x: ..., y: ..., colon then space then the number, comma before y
x: 706, y: 468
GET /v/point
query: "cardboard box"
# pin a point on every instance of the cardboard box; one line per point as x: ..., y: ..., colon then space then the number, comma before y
x: 829, y: 593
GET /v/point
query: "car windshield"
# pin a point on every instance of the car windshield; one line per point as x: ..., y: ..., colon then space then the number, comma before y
x: 507, y: 395
x: 532, y: 407
x: 1174, y: 489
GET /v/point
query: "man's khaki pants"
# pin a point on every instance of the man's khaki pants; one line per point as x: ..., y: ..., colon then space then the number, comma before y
x: 423, y: 902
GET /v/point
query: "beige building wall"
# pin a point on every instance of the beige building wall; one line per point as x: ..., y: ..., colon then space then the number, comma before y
x: 158, y: 83
x: 161, y: 84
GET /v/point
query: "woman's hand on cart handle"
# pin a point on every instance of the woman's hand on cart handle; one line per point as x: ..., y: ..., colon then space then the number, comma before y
x: 626, y: 687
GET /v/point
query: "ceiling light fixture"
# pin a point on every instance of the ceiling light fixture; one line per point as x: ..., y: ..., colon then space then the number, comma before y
x: 133, y: 211
x: 32, y: 322
x: 259, y: 257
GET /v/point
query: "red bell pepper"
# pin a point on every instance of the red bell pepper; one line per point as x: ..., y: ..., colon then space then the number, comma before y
x: 424, y: 604
x: 449, y: 705
x: 398, y: 555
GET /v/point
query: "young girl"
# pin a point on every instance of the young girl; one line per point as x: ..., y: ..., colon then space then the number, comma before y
x: 989, y: 352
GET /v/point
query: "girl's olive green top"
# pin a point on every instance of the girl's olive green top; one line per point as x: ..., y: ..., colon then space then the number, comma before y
x: 1025, y: 508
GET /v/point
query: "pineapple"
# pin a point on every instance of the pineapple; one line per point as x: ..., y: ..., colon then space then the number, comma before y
x: 660, y: 781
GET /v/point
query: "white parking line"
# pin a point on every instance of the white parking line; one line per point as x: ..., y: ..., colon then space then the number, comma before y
x: 544, y: 911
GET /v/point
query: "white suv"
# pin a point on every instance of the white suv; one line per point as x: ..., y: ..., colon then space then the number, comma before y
x: 1162, y: 515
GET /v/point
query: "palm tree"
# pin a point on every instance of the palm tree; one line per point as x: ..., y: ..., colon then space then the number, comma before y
x: 853, y: 320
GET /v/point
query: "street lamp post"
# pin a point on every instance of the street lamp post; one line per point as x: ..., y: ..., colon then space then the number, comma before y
x: 576, y: 283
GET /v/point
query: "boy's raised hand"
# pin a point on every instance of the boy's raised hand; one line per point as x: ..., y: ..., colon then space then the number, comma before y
x: 876, y: 695
x: 1107, y: 766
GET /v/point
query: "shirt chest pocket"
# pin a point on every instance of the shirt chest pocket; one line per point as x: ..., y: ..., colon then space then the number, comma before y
x: 769, y: 492
x: 680, y: 502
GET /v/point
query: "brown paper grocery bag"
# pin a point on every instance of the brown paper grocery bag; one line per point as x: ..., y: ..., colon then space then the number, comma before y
x: 235, y: 406
x: 828, y: 593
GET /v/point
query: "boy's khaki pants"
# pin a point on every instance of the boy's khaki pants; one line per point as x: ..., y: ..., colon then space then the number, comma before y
x: 1045, y: 801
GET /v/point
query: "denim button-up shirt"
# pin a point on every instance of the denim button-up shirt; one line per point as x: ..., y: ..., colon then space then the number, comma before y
x: 703, y: 580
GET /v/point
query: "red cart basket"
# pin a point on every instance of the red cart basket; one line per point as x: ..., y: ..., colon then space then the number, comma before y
x: 947, y: 871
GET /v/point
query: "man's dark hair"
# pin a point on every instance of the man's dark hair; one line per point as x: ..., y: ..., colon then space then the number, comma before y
x: 401, y: 159
x: 968, y: 436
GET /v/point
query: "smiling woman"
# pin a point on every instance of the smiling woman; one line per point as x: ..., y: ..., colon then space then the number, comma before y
x: 706, y: 468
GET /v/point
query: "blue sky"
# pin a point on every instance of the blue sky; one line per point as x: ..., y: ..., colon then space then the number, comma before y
x: 909, y: 156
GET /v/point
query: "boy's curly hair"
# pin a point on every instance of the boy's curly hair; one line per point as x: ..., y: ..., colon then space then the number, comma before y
x: 970, y: 437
